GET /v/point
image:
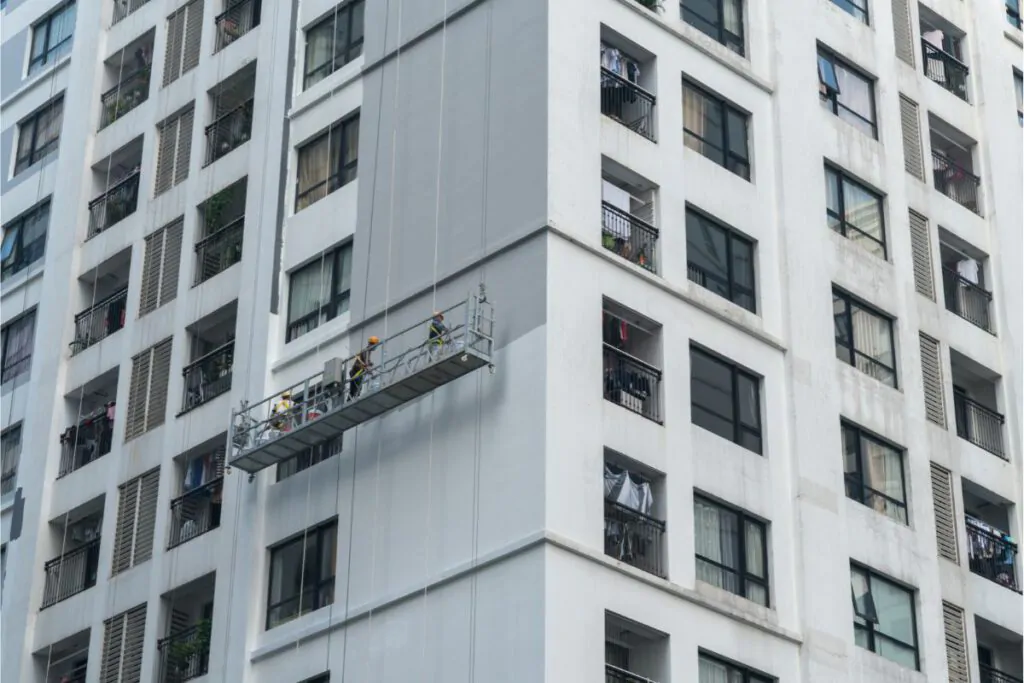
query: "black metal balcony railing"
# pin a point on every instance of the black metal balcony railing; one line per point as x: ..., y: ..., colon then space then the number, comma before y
x: 613, y: 674
x: 237, y: 20
x: 196, y: 512
x: 101, y: 320
x: 220, y: 250
x: 229, y: 131
x: 628, y: 236
x: 132, y: 91
x: 632, y: 383
x: 980, y: 425
x: 992, y: 556
x: 966, y: 299
x: 990, y: 675
x: 627, y: 103
x: 71, y: 573
x: 633, y: 537
x: 114, y: 205
x: 208, y: 377
x: 185, y: 655
x: 73, y: 674
x: 945, y: 69
x: 86, y: 441
x: 955, y: 182
x: 122, y: 8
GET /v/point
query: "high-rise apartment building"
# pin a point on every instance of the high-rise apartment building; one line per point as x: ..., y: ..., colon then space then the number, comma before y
x: 727, y: 387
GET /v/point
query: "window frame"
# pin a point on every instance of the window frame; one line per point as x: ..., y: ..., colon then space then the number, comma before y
x: 833, y: 96
x: 723, y: 145
x: 352, y: 49
x: 20, y: 248
x: 331, y: 308
x: 857, y: 477
x: 869, y: 626
x: 735, y: 372
x: 723, y: 34
x: 852, y: 301
x: 1018, y: 92
x: 866, y: 19
x: 49, y: 53
x: 747, y: 674
x: 37, y: 153
x: 742, y: 574
x: 1013, y: 13
x: 334, y: 180
x: 26, y: 318
x: 309, y: 457
x: 320, y: 531
x: 731, y: 236
x: 842, y: 178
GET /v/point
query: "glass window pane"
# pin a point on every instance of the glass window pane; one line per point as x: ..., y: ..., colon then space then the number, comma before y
x: 742, y: 264
x: 894, y: 606
x: 357, y: 27
x: 863, y: 604
x: 707, y: 250
x: 341, y: 38
x: 872, y: 335
x: 863, y: 210
x: 862, y: 637
x: 756, y: 592
x: 285, y: 570
x: 755, y: 550
x: 305, y: 291
x: 827, y: 73
x: 832, y: 191
x: 855, y: 92
x: 901, y: 654
x: 750, y: 413
x: 883, y: 469
x: 750, y: 441
x: 851, y: 455
x: 711, y: 384
x: 318, y: 52
x: 737, y: 124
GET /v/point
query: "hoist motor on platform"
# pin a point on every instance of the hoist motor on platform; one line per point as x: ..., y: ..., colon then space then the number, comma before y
x: 348, y: 392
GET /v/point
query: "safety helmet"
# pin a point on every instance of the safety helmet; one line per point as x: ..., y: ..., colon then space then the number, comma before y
x: 439, y: 314
x: 286, y: 394
x: 373, y: 340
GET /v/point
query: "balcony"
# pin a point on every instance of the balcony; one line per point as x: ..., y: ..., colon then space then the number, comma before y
x: 632, y: 383
x: 208, y: 377
x: 132, y: 91
x: 627, y: 103
x: 122, y: 8
x: 955, y: 181
x: 613, y: 674
x: 990, y: 674
x: 88, y: 440
x: 991, y: 553
x: 240, y: 17
x: 628, y: 236
x: 185, y: 654
x: 979, y: 424
x: 114, y: 205
x: 967, y: 299
x: 230, y: 131
x: 67, y: 660
x: 223, y: 221
x: 10, y: 454
x: 71, y: 573
x: 633, y: 653
x: 944, y: 69
x: 99, y: 321
x: 633, y: 537
x: 196, y: 512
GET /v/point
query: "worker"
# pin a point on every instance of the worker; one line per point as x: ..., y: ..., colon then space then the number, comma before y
x: 282, y: 410
x: 360, y: 365
x: 437, y: 329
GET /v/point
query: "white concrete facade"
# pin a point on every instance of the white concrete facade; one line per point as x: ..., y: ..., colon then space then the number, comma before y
x: 471, y: 528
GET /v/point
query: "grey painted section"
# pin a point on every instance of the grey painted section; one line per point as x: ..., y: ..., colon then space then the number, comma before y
x: 12, y: 62
x: 6, y: 150
x: 415, y: 16
x: 493, y: 165
x: 15, y: 4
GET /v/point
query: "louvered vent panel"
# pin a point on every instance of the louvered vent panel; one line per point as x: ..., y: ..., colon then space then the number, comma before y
x: 159, y: 377
x: 138, y: 395
x: 921, y: 245
x: 193, y: 35
x: 945, y: 518
x: 183, y: 154
x: 175, y: 40
x: 151, y: 267
x: 956, y: 645
x: 913, y: 161
x: 171, y: 261
x: 146, y: 522
x: 931, y: 377
x: 902, y: 32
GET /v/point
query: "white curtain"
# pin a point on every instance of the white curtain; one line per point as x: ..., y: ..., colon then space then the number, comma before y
x: 693, y: 116
x: 18, y: 346
x: 884, y: 473
x: 319, y: 51
x: 308, y: 289
x: 732, y: 17
x: 711, y: 671
x: 717, y: 540
x: 872, y: 336
x: 313, y: 170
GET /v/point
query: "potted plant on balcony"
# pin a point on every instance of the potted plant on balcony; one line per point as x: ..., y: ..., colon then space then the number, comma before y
x: 185, y: 656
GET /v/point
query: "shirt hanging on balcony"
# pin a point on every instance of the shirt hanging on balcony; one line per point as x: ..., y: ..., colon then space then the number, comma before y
x: 620, y: 488
x: 968, y: 270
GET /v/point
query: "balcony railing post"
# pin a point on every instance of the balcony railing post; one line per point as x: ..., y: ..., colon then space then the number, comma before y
x: 237, y: 20
x: 185, y: 655
x: 980, y: 425
x: 220, y: 250
x: 82, y: 443
x: 632, y: 383
x: 955, y: 182
x: 992, y: 675
x: 116, y: 204
x: 614, y: 674
x: 122, y: 8
x: 230, y: 131
x: 71, y: 573
x: 628, y: 236
x: 945, y: 69
x: 627, y: 103
x: 196, y: 512
x: 128, y: 94
x: 992, y: 556
x: 208, y: 377
x: 633, y: 537
x: 966, y: 299
x: 99, y: 321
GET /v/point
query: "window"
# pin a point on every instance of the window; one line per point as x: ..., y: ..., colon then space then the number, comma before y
x: 123, y: 639
x: 715, y: 129
x: 846, y: 92
x: 720, y: 19
x: 334, y: 42
x: 51, y: 38
x: 720, y: 259
x: 864, y: 338
x: 302, y: 574
x: 874, y: 473
x: 328, y: 162
x: 309, y: 457
x: 175, y: 150
x: 160, y: 267
x: 1013, y: 13
x: 18, y: 340
x: 319, y: 291
x: 136, y: 519
x: 732, y: 550
x: 725, y: 399
x: 854, y: 211
x: 1018, y: 89
x: 147, y: 393
x: 10, y: 448
x: 883, y: 617
x: 39, y: 135
x: 184, y: 31
x: 24, y: 240
x: 856, y: 8
x: 714, y: 670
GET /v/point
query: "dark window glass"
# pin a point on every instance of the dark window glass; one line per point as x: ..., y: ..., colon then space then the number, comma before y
x: 874, y: 473
x: 856, y: 8
x: 39, y: 135
x: 714, y: 670
x: 847, y: 93
x: 18, y: 342
x: 725, y: 400
x: 854, y: 211
x: 319, y: 291
x: 884, y: 620
x: 334, y: 42
x: 719, y: 19
x: 864, y: 338
x: 302, y: 574
x: 24, y: 240
x: 51, y: 37
x: 327, y: 162
x: 715, y: 129
x: 720, y: 259
x: 731, y: 550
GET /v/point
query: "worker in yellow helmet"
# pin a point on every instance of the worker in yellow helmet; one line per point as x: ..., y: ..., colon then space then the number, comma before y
x: 438, y: 330
x: 282, y: 410
x: 361, y: 364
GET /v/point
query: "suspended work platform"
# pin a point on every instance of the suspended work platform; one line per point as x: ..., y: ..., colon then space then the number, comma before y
x: 402, y: 367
